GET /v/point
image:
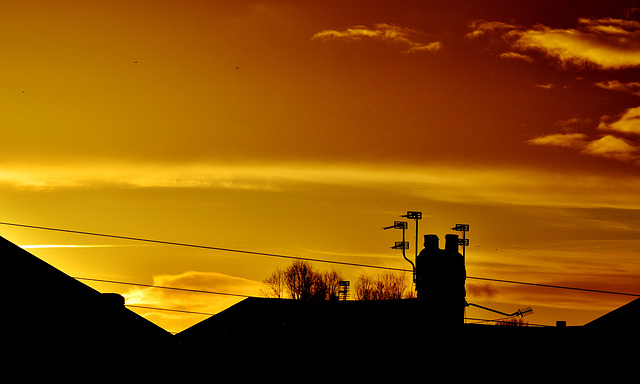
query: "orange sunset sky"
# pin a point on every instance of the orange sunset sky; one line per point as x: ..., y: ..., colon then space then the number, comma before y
x: 302, y: 128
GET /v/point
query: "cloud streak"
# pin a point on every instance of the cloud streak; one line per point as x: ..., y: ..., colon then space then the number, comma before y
x: 51, y: 246
x: 390, y: 34
x: 566, y: 140
x: 504, y: 186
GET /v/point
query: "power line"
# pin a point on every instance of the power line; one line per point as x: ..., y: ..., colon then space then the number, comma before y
x: 303, y: 258
x: 555, y: 286
x: 217, y: 293
x: 482, y: 321
x: 163, y: 287
x: 169, y: 310
x: 203, y: 247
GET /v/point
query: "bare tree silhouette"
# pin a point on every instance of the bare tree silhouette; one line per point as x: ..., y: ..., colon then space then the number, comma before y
x: 300, y: 281
x: 384, y: 286
x: 512, y: 322
x: 275, y: 285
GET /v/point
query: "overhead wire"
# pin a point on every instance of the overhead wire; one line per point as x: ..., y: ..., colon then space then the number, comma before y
x: 163, y: 287
x: 163, y: 242
x: 555, y: 286
x: 476, y: 320
x: 275, y: 255
x: 169, y: 310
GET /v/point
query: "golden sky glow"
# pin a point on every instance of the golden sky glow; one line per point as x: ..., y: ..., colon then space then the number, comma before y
x: 303, y: 128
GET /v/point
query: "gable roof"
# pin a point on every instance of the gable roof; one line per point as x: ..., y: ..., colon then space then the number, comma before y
x: 383, y: 341
x: 34, y: 282
x: 55, y: 320
x: 311, y: 341
x: 623, y: 318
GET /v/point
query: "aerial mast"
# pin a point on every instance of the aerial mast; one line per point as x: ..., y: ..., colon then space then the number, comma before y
x: 402, y: 244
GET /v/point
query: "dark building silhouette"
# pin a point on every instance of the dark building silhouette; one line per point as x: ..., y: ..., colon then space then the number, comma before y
x: 60, y: 327
x: 390, y: 341
x: 314, y: 341
x: 440, y: 278
x: 57, y: 327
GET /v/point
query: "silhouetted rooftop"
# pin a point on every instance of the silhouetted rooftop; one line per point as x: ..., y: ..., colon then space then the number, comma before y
x: 381, y: 340
x: 58, y: 323
x: 623, y: 318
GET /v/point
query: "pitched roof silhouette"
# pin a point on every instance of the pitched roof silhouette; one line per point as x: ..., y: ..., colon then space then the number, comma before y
x: 624, y: 318
x: 310, y: 341
x: 59, y: 323
x: 382, y: 341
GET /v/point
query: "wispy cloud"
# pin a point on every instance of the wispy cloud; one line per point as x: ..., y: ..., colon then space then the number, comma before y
x: 567, y: 140
x: 481, y: 28
x: 600, y: 43
x: 607, y: 146
x: 627, y: 122
x: 632, y: 87
x: 516, y: 56
x: 69, y: 176
x: 503, y: 186
x: 50, y: 246
x: 571, y: 47
x: 388, y: 33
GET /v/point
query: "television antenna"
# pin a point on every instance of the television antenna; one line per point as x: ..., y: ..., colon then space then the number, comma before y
x: 402, y: 245
x: 520, y: 312
x: 464, y: 242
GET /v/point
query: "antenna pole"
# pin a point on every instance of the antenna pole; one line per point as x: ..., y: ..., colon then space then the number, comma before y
x: 402, y: 244
x: 463, y: 242
x: 417, y: 216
